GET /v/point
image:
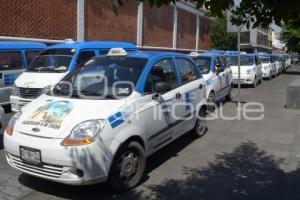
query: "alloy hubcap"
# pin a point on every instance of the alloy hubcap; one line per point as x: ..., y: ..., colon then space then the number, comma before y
x: 128, y: 166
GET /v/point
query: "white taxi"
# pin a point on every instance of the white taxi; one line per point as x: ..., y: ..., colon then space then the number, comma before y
x: 217, y: 75
x: 105, y: 117
x: 268, y: 68
x: 250, y: 69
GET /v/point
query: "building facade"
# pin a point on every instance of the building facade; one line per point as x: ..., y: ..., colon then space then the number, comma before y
x: 175, y: 27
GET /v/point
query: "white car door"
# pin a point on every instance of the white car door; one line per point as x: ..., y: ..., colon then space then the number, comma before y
x: 222, y: 78
x: 191, y: 87
x: 258, y: 65
x: 157, y: 111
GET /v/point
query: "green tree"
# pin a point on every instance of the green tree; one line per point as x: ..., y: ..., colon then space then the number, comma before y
x: 220, y: 38
x: 291, y: 35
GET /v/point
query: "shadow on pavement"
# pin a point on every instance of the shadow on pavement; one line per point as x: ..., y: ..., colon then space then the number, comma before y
x: 292, y: 73
x: 100, y: 191
x: 246, y: 173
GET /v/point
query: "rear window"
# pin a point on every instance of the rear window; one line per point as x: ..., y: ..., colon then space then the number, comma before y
x: 11, y: 60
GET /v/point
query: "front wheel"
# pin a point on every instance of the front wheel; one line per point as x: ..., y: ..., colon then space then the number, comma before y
x: 255, y: 82
x: 128, y: 167
x: 200, y: 126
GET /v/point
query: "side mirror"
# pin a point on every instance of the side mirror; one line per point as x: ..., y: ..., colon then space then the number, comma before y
x: 162, y: 87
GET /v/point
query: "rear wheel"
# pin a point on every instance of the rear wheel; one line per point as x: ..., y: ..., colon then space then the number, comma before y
x: 228, y: 96
x: 270, y: 76
x: 211, y: 102
x: 128, y: 167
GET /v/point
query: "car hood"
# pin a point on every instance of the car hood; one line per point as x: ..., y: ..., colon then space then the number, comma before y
x: 38, y: 80
x: 53, y: 117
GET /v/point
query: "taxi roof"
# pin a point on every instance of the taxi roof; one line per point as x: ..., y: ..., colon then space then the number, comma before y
x: 94, y: 45
x: 150, y: 54
x: 21, y: 45
x: 207, y: 54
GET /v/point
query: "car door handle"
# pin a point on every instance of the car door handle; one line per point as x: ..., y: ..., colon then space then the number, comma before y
x: 178, y: 95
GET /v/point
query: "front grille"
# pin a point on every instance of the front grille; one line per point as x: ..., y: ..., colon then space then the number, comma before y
x: 51, y: 171
x: 29, y: 93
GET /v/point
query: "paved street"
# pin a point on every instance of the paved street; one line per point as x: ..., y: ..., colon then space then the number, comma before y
x: 236, y: 159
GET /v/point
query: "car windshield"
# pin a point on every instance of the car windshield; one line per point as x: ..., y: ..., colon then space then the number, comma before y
x: 102, y: 78
x: 264, y: 59
x: 52, y: 60
x: 273, y: 59
x: 244, y: 60
x: 203, y: 63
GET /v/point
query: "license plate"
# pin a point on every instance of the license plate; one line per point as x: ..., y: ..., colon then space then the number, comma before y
x: 31, y: 156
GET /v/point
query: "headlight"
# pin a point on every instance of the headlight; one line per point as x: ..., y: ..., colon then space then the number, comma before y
x: 84, y: 133
x: 15, y: 90
x: 12, y: 122
x: 249, y: 71
x: 46, y: 89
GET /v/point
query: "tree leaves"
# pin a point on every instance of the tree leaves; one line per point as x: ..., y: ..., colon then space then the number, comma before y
x: 220, y: 38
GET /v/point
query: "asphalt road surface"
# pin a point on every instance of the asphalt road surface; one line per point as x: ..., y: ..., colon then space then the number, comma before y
x: 236, y: 159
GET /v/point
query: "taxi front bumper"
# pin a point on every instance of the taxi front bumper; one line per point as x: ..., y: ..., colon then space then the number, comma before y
x: 81, y: 165
x: 244, y: 78
x: 266, y: 72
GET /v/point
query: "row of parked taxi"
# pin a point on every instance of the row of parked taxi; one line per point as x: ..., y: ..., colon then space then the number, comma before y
x: 92, y: 112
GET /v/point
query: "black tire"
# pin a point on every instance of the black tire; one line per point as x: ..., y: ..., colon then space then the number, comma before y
x: 211, y: 102
x: 261, y: 80
x: 228, y: 96
x: 200, y: 125
x: 270, y: 76
x: 255, y: 82
x: 7, y: 108
x: 130, y: 155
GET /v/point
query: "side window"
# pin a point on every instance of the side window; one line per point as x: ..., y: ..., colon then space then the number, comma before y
x: 30, y: 55
x: 85, y: 55
x: 11, y: 60
x: 162, y: 71
x: 188, y: 71
x: 222, y: 63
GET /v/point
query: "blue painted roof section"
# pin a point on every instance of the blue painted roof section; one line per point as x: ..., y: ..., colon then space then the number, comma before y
x: 94, y: 45
x: 207, y: 54
x: 216, y: 51
x: 150, y: 54
x: 21, y: 45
